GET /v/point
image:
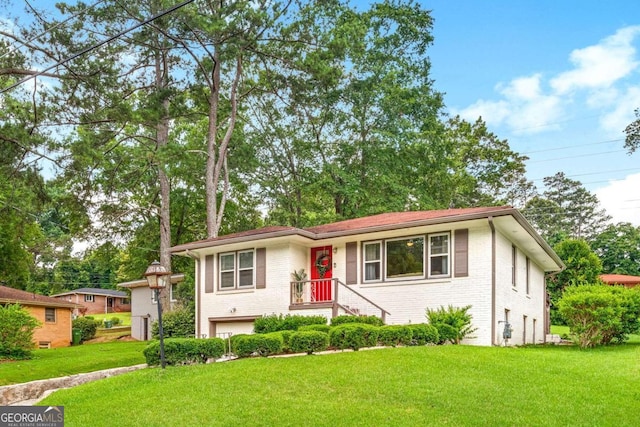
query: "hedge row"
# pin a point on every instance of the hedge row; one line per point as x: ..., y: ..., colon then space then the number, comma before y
x: 180, y: 351
x: 184, y: 351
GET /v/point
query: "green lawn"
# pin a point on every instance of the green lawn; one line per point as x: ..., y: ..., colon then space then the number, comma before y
x: 412, y: 386
x: 125, y: 318
x: 64, y: 361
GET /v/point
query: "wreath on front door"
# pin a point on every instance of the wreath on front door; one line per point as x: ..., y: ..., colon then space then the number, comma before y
x: 323, y: 264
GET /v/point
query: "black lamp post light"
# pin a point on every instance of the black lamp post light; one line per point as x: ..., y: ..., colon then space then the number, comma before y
x: 157, y: 277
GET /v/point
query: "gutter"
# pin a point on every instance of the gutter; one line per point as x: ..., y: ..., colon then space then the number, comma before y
x: 493, y: 280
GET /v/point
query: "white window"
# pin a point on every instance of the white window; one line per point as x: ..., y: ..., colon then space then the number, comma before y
x: 174, y: 292
x: 236, y: 270
x: 514, y: 257
x: 372, y: 261
x: 405, y: 258
x: 439, y: 249
x: 89, y: 298
x: 528, y: 265
x: 153, y: 297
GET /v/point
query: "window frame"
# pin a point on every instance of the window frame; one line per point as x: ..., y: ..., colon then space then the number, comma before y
x: 237, y: 270
x: 48, y: 314
x: 154, y: 300
x: 514, y: 266
x: 421, y: 275
x: 528, y: 274
x: 446, y: 255
x: 89, y: 298
x: 172, y: 296
x: 378, y: 261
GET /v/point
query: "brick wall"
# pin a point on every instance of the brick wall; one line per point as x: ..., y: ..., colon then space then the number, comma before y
x: 57, y: 333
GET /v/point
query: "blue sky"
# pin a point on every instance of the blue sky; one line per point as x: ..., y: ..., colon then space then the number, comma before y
x: 558, y: 79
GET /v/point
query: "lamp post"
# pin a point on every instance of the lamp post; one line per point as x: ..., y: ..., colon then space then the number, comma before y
x: 157, y: 277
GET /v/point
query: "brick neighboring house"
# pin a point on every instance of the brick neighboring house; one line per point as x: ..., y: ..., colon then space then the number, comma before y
x: 620, y: 279
x: 54, y: 315
x: 97, y: 301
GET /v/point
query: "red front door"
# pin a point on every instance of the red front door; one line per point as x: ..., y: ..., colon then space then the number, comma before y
x: 321, y: 268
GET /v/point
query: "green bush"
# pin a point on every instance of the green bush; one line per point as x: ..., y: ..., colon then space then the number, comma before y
x: 423, y: 334
x: 457, y: 318
x: 16, y: 332
x: 180, y: 323
x: 88, y: 325
x: 347, y: 318
x: 278, y: 322
x: 184, y: 351
x: 353, y: 335
x: 309, y: 341
x: 322, y: 328
x: 115, y: 321
x: 395, y: 335
x: 257, y: 344
x: 600, y: 314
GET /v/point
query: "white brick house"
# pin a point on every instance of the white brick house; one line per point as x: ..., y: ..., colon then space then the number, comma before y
x: 393, y: 265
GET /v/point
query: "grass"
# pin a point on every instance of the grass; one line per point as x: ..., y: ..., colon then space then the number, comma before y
x: 125, y: 318
x: 60, y: 362
x: 445, y: 385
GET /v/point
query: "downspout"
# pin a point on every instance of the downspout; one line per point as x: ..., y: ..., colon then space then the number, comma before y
x: 493, y: 280
x: 198, y: 278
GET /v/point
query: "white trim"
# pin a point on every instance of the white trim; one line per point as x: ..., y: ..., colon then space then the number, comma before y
x: 420, y: 275
x: 446, y: 254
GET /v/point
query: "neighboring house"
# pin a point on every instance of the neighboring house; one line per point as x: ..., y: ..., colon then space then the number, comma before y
x: 393, y: 265
x: 144, y: 307
x: 620, y: 279
x: 97, y: 301
x: 54, y: 315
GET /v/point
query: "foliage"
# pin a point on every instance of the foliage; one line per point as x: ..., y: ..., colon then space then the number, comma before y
x: 632, y: 131
x: 353, y: 336
x: 184, y: 351
x: 257, y: 344
x: 289, y: 322
x: 88, y: 325
x: 16, y: 332
x: 453, y: 323
x: 424, y: 334
x: 178, y: 323
x: 321, y: 328
x: 395, y: 335
x: 582, y: 267
x: 308, y: 341
x: 347, y: 318
x: 565, y: 209
x: 618, y: 247
x: 600, y: 314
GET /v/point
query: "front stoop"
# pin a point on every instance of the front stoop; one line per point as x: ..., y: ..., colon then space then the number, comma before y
x: 31, y: 392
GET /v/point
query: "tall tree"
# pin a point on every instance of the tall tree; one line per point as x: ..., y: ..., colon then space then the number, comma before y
x: 618, y: 247
x: 567, y: 209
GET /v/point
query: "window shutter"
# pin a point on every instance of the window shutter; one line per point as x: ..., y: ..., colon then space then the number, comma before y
x: 261, y: 268
x: 208, y: 274
x: 461, y: 260
x: 351, y: 263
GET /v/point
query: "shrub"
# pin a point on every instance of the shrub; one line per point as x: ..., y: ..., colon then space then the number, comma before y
x: 347, y: 318
x: 321, y: 328
x: 115, y: 321
x: 309, y: 341
x: 184, y: 351
x: 423, y: 334
x: 600, y: 314
x: 16, y: 332
x: 395, y: 335
x: 88, y: 325
x: 257, y: 344
x: 457, y: 318
x: 180, y: 323
x: 278, y: 322
x: 353, y: 335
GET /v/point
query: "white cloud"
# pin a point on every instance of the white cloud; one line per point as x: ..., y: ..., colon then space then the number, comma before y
x: 623, y: 112
x: 621, y: 199
x: 524, y: 107
x: 600, y: 65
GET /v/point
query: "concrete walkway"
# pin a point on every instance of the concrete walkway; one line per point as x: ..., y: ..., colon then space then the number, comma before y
x: 28, y: 394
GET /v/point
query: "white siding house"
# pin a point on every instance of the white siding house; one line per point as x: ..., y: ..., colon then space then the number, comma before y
x: 144, y: 307
x: 393, y: 265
